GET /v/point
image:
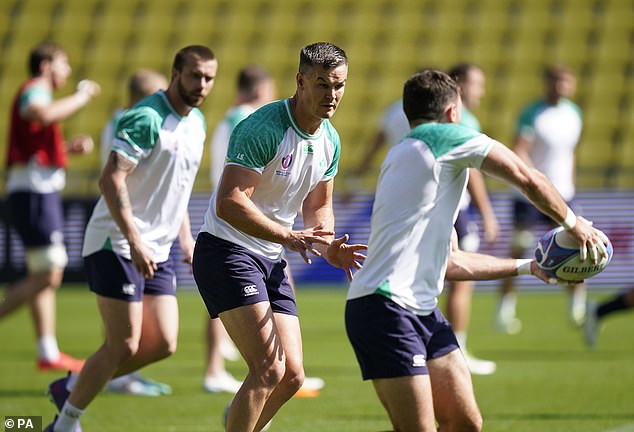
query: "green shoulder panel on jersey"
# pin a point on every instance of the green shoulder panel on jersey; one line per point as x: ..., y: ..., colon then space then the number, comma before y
x: 333, y: 136
x: 441, y: 138
x: 140, y: 125
x: 255, y: 140
x: 527, y: 116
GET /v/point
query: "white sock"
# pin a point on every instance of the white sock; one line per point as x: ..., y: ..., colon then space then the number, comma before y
x: 578, y: 296
x: 68, y: 418
x: 70, y: 383
x: 461, y: 336
x: 507, y: 304
x: 47, y: 348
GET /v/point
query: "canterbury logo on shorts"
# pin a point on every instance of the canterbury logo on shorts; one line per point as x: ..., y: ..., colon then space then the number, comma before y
x: 128, y: 289
x: 250, y: 290
x: 418, y: 360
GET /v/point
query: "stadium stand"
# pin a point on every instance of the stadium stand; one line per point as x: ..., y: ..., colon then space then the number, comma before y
x: 386, y: 41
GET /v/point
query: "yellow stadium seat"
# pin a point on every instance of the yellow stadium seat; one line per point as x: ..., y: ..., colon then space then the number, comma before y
x: 596, y: 146
x: 625, y: 157
x: 386, y: 41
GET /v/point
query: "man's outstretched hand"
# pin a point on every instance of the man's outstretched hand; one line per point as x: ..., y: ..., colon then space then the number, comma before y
x: 345, y: 256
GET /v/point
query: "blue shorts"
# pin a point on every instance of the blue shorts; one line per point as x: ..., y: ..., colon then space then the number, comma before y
x: 37, y: 218
x: 391, y: 342
x: 467, y: 230
x: 526, y: 215
x: 229, y: 276
x: 111, y: 275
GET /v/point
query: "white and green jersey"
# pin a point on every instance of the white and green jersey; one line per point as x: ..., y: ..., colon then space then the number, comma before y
x: 220, y: 139
x: 167, y: 149
x: 291, y: 163
x: 469, y: 120
x: 107, y: 136
x: 394, y: 123
x: 415, y: 207
x: 554, y: 131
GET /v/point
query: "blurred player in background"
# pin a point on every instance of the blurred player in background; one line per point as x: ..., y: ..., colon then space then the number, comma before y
x: 142, y: 83
x: 255, y: 88
x: 36, y: 163
x: 402, y: 341
x: 471, y: 80
x: 548, y: 132
x: 146, y: 186
x: 393, y: 128
x: 281, y: 159
x: 597, y: 312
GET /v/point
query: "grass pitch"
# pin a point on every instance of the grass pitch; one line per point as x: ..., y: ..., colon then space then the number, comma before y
x: 547, y: 380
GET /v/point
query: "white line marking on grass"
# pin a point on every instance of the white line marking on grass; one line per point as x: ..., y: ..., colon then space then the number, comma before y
x: 623, y: 428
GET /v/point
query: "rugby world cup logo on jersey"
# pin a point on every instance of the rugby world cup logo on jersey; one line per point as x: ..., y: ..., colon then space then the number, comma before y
x: 286, y: 163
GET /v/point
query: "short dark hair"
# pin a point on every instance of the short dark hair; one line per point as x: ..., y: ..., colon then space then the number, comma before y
x: 199, y: 51
x: 553, y: 72
x: 321, y: 54
x: 41, y: 53
x: 426, y: 94
x: 250, y: 76
x: 460, y: 71
x: 142, y: 83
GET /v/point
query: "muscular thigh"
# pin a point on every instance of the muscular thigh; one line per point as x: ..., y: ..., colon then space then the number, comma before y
x: 290, y: 335
x: 122, y: 319
x: 255, y: 333
x: 451, y: 387
x: 408, y: 401
x: 160, y: 317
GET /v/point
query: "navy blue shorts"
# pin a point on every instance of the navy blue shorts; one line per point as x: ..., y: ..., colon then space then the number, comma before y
x: 526, y: 216
x: 465, y: 223
x: 111, y: 275
x: 391, y: 342
x: 229, y: 276
x: 37, y: 218
x: 467, y: 230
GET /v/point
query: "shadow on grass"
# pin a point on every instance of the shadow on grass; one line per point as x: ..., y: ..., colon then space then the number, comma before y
x: 22, y: 393
x: 561, y: 416
x: 553, y: 355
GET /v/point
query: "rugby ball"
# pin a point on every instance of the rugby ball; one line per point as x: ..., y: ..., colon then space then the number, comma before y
x: 557, y: 254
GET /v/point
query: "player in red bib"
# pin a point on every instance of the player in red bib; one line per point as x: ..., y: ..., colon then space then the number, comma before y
x: 36, y: 162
